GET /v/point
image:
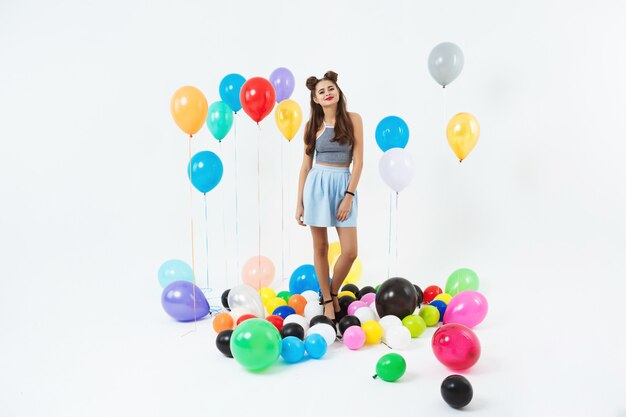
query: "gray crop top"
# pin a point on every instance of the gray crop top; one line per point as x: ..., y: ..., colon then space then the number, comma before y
x: 331, y: 152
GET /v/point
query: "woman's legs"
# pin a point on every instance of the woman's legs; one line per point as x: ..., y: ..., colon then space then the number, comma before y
x: 349, y: 251
x: 320, y: 260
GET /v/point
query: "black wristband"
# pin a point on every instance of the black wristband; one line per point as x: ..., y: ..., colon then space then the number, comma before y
x: 349, y: 192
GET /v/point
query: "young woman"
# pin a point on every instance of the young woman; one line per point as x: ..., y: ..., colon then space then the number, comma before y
x: 327, y: 191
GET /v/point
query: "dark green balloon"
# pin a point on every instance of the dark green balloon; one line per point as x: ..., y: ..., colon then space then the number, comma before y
x: 256, y: 344
x: 390, y: 367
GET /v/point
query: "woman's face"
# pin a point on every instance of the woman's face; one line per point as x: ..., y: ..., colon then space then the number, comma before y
x: 326, y: 93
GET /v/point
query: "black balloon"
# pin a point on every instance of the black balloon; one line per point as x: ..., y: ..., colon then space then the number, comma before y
x: 344, y: 302
x: 322, y: 319
x: 292, y: 329
x: 366, y: 290
x: 457, y: 391
x: 420, y: 295
x: 225, y: 299
x: 352, y: 288
x: 223, y: 342
x: 348, y: 321
x: 396, y: 296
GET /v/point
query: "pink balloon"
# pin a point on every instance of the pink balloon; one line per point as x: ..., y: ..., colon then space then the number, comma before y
x: 467, y: 307
x: 354, y: 337
x: 258, y: 272
x: 368, y: 298
x: 354, y: 306
x: 456, y: 346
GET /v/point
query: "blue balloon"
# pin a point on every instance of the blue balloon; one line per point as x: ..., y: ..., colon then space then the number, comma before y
x: 441, y: 306
x: 178, y: 301
x: 303, y: 278
x: 174, y: 270
x: 230, y: 87
x: 205, y: 171
x: 293, y: 349
x: 283, y: 311
x: 315, y: 345
x: 392, y: 132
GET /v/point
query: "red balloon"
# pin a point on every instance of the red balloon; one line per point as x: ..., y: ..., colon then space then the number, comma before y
x: 257, y: 98
x: 456, y: 346
x: 276, y: 321
x: 244, y: 318
x: 430, y: 293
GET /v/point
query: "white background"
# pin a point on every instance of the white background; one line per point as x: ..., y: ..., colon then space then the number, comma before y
x: 95, y: 198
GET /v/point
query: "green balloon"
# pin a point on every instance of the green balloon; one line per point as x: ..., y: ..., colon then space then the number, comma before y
x: 256, y: 344
x: 461, y: 280
x: 219, y: 119
x: 415, y: 324
x: 285, y: 295
x: 390, y: 367
x: 430, y: 314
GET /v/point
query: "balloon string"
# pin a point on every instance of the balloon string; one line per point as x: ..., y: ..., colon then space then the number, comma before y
x: 445, y: 113
x: 224, y: 225
x: 258, y: 195
x: 389, y: 246
x: 397, y: 221
x: 236, y: 205
x: 282, y: 209
x: 206, y: 241
x: 193, y: 261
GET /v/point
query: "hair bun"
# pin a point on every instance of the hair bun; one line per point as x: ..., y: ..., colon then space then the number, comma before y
x: 331, y: 75
x: 311, y: 82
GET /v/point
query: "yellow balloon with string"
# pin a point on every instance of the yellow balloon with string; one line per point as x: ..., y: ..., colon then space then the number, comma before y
x: 463, y: 132
x: 288, y: 118
x: 354, y: 275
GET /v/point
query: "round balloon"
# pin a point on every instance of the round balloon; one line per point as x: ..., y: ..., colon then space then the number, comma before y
x: 184, y: 301
x: 174, y: 270
x: 445, y: 63
x: 257, y: 98
x: 390, y: 367
x: 462, y: 132
x: 219, y: 120
x: 467, y: 307
x: 396, y: 168
x: 457, y: 391
x: 456, y: 346
x: 392, y: 132
x: 302, y: 279
x: 189, y: 109
x: 284, y: 82
x: 396, y: 296
x: 247, y: 298
x: 230, y: 88
x: 205, y: 171
x: 461, y: 280
x: 258, y: 272
x: 288, y: 118
x: 256, y: 344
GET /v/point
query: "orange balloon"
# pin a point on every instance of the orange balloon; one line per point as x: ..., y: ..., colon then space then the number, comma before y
x: 189, y: 109
x: 223, y: 321
x: 258, y: 272
x: 297, y: 302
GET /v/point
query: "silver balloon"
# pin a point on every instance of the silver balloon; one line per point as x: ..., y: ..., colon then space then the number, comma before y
x: 445, y: 62
x: 245, y: 297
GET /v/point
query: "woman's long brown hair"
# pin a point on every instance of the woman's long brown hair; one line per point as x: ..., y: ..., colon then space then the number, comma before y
x: 344, y: 130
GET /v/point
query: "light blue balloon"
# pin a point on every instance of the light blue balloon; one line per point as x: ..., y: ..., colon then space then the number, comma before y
x: 392, y: 132
x: 315, y: 345
x: 174, y: 270
x: 205, y: 171
x: 293, y: 349
x: 303, y: 278
x: 230, y: 87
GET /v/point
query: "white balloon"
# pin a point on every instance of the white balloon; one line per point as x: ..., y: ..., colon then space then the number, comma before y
x: 311, y: 310
x: 398, y: 337
x: 396, y: 168
x: 311, y: 296
x: 364, y: 314
x: 373, y: 308
x: 388, y: 322
x: 296, y: 318
x: 326, y: 330
x: 245, y: 296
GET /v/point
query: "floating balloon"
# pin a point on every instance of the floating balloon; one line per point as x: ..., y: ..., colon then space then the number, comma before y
x: 205, y: 171
x: 174, y: 270
x: 390, y: 367
x: 396, y: 296
x: 463, y: 132
x: 288, y: 118
x: 256, y: 344
x: 230, y: 89
x: 445, y: 63
x: 392, y: 132
x: 467, y: 307
x: 189, y: 109
x: 258, y: 272
x: 257, y: 98
x: 219, y: 120
x: 457, y: 391
x: 302, y: 279
x: 396, y: 168
x: 456, y: 346
x: 247, y: 298
x: 184, y: 301
x: 283, y: 82
x: 461, y: 280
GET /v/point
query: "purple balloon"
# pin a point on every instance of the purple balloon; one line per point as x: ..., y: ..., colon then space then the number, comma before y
x: 283, y: 81
x: 177, y: 300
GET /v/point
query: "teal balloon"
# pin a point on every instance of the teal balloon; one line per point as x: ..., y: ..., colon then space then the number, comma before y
x: 205, y: 171
x: 230, y: 87
x: 174, y: 270
x: 461, y: 280
x: 219, y: 120
x: 392, y: 132
x: 256, y: 344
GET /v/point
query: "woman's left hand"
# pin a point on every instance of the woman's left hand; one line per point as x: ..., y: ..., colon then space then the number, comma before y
x: 344, y: 208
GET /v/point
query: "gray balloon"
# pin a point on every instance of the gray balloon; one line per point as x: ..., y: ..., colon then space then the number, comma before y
x: 445, y: 62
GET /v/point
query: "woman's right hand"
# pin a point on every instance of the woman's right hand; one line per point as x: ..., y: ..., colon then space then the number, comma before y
x: 300, y: 216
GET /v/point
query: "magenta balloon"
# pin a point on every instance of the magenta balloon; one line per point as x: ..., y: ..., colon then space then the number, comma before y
x: 352, y: 308
x: 467, y: 307
x: 456, y: 346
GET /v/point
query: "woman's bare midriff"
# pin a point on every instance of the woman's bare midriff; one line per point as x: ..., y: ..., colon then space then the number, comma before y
x: 333, y: 165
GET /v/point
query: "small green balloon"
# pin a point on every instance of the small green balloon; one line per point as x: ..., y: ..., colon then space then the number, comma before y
x: 285, y: 295
x: 461, y: 280
x: 430, y: 314
x: 256, y: 344
x: 415, y: 324
x: 219, y: 119
x: 390, y: 367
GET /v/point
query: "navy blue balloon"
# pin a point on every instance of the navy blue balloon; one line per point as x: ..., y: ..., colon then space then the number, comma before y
x: 392, y: 132
x: 230, y: 88
x: 303, y: 278
x: 283, y: 311
x: 441, y: 306
x: 205, y: 171
x: 178, y: 301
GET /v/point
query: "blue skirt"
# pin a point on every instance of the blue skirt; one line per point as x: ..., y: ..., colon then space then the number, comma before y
x: 324, y: 188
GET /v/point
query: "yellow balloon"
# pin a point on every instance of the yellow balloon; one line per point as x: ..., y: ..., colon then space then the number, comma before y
x: 444, y: 297
x: 373, y: 332
x: 274, y: 303
x: 462, y: 132
x: 288, y: 118
x: 267, y: 294
x: 189, y: 109
x: 334, y: 250
x: 348, y: 293
x: 354, y: 275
